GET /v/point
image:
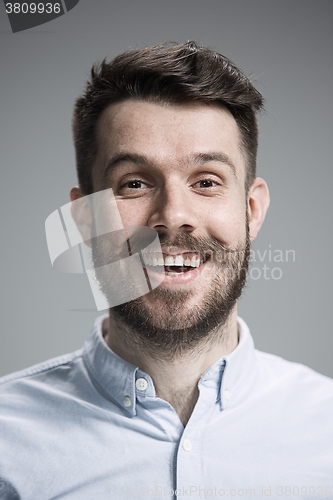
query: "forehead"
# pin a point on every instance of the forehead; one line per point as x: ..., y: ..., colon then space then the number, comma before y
x: 168, y: 134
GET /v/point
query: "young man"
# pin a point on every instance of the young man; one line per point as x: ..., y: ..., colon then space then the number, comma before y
x: 168, y: 397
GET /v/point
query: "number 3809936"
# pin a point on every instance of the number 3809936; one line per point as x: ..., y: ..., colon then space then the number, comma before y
x: 33, y: 8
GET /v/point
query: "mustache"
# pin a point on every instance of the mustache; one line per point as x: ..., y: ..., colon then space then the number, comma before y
x: 115, y: 246
x: 201, y: 244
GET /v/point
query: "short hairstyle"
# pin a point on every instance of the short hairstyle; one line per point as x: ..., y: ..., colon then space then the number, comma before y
x: 166, y: 73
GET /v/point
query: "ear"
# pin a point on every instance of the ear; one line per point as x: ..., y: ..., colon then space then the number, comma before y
x: 258, y: 203
x: 81, y: 213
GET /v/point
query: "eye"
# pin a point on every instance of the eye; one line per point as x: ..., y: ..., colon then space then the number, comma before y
x: 206, y: 183
x: 132, y: 188
x: 135, y: 184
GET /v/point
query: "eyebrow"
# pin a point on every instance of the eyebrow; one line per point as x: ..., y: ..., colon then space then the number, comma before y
x: 203, y: 158
x: 137, y: 159
x: 116, y: 159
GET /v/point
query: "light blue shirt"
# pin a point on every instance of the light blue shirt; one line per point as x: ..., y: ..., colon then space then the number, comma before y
x: 88, y: 426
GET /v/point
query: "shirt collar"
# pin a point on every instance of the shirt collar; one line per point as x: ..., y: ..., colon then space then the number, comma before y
x: 117, y: 379
x: 237, y: 365
x: 114, y: 376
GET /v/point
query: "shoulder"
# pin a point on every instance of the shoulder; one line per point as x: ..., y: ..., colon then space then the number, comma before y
x: 287, y: 368
x: 276, y: 378
x: 38, y: 379
x: 294, y: 380
x: 40, y: 368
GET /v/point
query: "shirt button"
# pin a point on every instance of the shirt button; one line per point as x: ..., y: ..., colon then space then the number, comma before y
x: 127, y: 401
x: 227, y: 395
x: 141, y: 384
x: 187, y: 445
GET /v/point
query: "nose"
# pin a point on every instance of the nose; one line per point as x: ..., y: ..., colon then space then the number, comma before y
x: 173, y: 211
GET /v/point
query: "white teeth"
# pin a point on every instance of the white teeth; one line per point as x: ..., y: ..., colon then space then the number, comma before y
x: 157, y: 259
x: 169, y: 260
x: 179, y: 261
x: 195, y: 261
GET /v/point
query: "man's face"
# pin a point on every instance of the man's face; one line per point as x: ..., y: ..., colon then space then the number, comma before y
x: 179, y: 169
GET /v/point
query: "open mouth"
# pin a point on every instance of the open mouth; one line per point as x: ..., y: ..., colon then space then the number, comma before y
x: 174, y: 264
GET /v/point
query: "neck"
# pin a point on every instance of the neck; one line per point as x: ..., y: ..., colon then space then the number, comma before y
x: 176, y: 375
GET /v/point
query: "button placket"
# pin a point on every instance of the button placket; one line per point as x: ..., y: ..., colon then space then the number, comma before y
x: 188, y: 468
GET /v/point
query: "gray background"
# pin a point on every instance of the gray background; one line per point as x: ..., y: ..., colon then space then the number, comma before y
x: 287, y: 47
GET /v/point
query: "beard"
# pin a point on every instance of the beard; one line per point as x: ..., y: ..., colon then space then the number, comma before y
x: 162, y: 322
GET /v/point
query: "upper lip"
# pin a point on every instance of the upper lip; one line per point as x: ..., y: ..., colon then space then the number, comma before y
x: 179, y: 251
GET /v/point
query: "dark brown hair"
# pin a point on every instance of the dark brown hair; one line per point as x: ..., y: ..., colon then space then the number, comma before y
x: 166, y: 73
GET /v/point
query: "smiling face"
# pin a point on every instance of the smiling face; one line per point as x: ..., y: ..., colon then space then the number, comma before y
x: 179, y: 170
